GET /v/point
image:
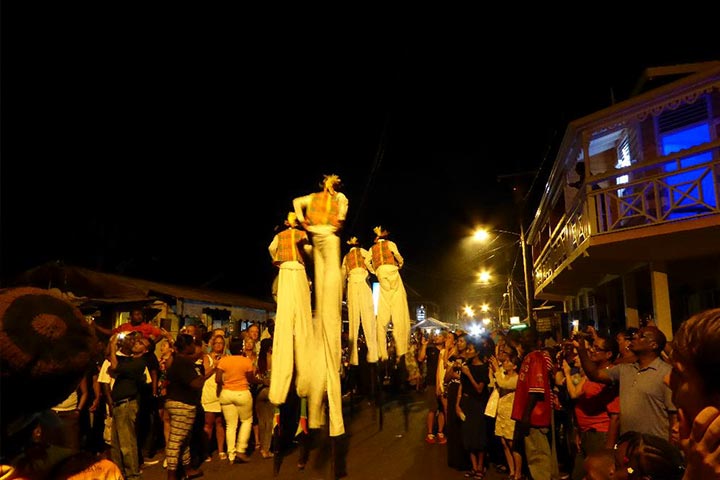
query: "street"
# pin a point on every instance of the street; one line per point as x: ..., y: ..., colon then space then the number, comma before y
x: 392, y: 452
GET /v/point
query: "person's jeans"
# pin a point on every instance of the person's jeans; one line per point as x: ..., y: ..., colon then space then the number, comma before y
x: 124, y: 449
x: 237, y: 404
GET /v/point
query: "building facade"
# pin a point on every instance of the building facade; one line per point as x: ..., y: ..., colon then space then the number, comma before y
x: 629, y: 223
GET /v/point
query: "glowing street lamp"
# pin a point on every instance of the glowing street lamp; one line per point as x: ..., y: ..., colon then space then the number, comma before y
x: 484, y: 276
x: 483, y: 234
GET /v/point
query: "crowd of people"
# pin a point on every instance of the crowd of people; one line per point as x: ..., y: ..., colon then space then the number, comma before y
x: 143, y: 392
x: 625, y: 404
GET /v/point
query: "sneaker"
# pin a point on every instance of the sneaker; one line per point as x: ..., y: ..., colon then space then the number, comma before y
x: 222, y: 456
x: 243, y: 457
x: 208, y: 459
x: 430, y: 438
x: 165, y: 463
x: 441, y: 439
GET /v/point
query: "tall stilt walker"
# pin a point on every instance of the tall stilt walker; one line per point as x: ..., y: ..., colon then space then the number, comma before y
x: 386, y: 263
x: 323, y: 215
x: 359, y: 301
x: 293, y: 319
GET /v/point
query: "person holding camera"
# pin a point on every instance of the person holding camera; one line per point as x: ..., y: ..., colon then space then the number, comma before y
x: 646, y: 405
x: 121, y: 377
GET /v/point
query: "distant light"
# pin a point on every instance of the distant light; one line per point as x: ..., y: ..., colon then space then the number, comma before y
x: 481, y: 235
x: 469, y: 311
x: 484, y: 276
x: 520, y: 326
x: 485, y: 307
x: 476, y: 330
x: 486, y: 321
x: 514, y: 320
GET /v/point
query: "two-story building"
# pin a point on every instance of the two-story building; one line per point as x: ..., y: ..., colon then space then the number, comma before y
x: 629, y: 222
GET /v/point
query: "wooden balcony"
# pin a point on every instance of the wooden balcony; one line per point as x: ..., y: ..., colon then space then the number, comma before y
x: 668, y: 209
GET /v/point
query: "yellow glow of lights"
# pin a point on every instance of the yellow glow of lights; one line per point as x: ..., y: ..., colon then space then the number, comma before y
x: 481, y: 235
x: 484, y: 276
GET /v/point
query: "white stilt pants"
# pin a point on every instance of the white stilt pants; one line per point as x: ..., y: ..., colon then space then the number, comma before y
x: 293, y: 327
x: 392, y: 305
x: 361, y: 309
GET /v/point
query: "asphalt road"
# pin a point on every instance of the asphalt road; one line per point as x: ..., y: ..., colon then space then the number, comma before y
x: 390, y: 446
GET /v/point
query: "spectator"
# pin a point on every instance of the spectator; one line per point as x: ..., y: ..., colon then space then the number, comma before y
x: 594, y: 407
x: 429, y: 354
x: 183, y: 396
x: 695, y: 389
x: 233, y: 375
x: 643, y: 456
x: 128, y: 368
x: 470, y: 405
x: 645, y: 401
x: 623, y: 338
x: 137, y: 323
x: 45, y: 351
x: 533, y: 407
x: 506, y: 378
x: 210, y: 401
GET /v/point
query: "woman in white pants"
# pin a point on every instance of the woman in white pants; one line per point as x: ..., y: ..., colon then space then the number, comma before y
x: 233, y: 375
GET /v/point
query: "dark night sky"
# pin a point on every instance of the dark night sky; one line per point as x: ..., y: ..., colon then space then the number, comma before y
x: 172, y: 155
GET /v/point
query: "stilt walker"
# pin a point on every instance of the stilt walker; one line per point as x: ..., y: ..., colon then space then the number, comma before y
x: 293, y: 319
x: 359, y: 301
x: 322, y: 214
x: 386, y: 263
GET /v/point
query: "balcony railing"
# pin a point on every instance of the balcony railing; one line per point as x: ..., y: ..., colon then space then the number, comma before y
x: 678, y: 187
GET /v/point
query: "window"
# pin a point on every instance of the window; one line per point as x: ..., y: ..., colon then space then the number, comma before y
x: 680, y: 129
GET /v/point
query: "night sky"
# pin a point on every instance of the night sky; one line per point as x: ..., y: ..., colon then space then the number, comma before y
x: 172, y: 155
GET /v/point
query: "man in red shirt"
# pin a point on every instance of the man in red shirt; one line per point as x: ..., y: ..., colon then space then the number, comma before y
x: 137, y: 323
x: 533, y: 407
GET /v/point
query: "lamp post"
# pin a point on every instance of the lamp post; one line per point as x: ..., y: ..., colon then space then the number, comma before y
x: 483, y: 234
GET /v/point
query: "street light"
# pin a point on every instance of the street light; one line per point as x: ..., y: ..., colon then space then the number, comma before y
x: 483, y: 234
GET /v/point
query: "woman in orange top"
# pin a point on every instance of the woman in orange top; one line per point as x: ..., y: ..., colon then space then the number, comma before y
x: 233, y: 376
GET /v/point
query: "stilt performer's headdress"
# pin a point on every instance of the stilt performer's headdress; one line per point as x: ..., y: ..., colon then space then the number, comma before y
x: 291, y: 219
x: 333, y: 180
x: 380, y: 232
x: 353, y: 242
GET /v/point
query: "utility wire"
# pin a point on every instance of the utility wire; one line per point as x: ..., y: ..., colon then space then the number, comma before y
x: 379, y: 155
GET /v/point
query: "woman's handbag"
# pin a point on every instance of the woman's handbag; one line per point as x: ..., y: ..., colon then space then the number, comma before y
x: 492, y: 404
